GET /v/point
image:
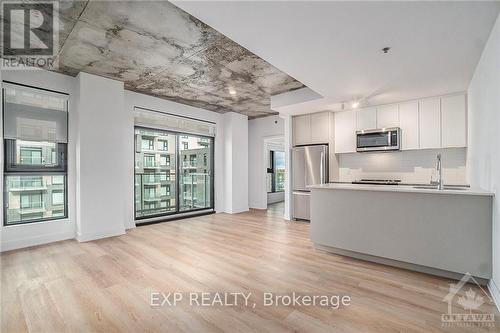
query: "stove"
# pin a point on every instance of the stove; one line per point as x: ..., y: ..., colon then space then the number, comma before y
x: 378, y: 181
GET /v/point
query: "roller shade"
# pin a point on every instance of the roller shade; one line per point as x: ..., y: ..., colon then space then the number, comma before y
x: 35, y: 115
x: 166, y: 121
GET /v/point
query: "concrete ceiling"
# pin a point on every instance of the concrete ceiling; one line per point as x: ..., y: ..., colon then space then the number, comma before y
x: 160, y: 50
x: 334, y: 47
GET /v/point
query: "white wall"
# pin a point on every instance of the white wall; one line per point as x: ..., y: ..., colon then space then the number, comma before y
x: 18, y: 236
x: 133, y: 99
x: 288, y: 142
x: 104, y: 158
x: 411, y: 166
x: 236, y: 162
x: 258, y: 131
x: 484, y: 137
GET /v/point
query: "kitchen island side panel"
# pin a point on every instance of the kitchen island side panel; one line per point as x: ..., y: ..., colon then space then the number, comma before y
x: 443, y: 231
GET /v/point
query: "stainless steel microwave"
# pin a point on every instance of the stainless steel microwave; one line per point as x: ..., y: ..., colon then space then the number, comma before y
x: 378, y: 139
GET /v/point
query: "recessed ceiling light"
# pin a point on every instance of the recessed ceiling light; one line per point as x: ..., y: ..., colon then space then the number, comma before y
x: 355, y: 104
x: 232, y: 92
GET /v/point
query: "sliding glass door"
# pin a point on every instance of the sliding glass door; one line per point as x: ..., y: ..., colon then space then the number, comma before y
x: 173, y: 173
x: 195, y: 185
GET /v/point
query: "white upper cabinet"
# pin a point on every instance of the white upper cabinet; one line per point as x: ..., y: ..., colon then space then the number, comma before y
x: 408, y: 121
x: 311, y: 128
x: 345, y: 132
x: 430, y: 123
x: 320, y: 127
x: 366, y: 119
x: 302, y: 129
x: 387, y: 116
x: 453, y: 121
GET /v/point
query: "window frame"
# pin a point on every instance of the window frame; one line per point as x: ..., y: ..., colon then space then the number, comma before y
x: 12, y: 169
x: 47, y: 219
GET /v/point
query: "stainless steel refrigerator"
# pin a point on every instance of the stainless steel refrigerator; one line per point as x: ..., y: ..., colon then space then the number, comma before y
x: 309, y: 167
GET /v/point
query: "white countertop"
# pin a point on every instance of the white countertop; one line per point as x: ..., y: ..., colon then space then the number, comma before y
x: 399, y: 188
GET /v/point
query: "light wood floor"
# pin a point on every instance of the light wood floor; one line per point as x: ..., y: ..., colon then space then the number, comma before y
x: 105, y: 285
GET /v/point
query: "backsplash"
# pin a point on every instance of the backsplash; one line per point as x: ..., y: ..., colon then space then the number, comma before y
x: 411, y: 166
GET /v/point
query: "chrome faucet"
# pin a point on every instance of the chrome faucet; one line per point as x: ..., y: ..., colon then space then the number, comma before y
x: 439, y: 174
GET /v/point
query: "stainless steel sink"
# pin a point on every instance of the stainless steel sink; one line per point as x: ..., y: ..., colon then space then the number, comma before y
x: 444, y: 188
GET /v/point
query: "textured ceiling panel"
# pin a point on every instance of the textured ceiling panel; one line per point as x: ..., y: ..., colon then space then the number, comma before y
x: 160, y: 50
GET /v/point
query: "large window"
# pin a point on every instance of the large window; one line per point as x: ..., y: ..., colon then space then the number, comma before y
x: 35, y: 135
x: 276, y: 172
x: 176, y: 178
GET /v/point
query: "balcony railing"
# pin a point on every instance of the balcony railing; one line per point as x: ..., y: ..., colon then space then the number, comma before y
x: 153, y: 165
x: 153, y: 179
x: 157, y: 209
x: 30, y: 161
x: 189, y: 164
x: 195, y: 197
x: 33, y: 208
x: 27, y: 184
x: 195, y: 178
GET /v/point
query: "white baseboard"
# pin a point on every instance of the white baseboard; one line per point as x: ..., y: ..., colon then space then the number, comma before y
x: 36, y: 240
x: 89, y: 236
x: 495, y: 293
x: 237, y: 210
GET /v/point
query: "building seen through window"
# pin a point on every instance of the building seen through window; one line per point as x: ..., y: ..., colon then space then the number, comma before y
x: 156, y: 171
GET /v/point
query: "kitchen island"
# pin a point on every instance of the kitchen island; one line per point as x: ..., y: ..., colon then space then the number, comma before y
x: 443, y: 232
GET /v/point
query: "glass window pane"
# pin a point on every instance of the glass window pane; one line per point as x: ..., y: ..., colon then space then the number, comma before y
x: 34, y: 197
x: 195, y: 183
x: 269, y: 182
x: 279, y: 171
x: 154, y: 172
x: 35, y: 153
x: 34, y: 114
